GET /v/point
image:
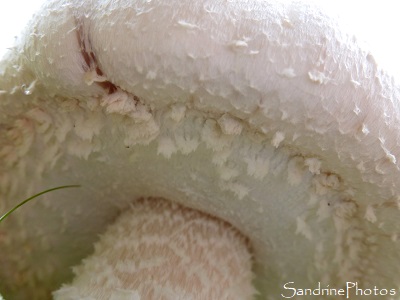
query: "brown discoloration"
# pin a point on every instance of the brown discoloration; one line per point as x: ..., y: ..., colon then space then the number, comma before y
x: 90, y: 59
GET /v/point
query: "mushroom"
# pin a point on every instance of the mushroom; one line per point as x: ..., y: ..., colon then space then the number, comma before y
x: 237, y: 137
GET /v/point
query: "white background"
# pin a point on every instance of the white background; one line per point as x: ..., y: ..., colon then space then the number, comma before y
x: 13, y: 16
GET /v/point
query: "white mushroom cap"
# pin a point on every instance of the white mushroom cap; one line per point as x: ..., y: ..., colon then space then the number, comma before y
x: 260, y: 113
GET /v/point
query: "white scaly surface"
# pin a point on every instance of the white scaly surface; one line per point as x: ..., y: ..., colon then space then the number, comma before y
x: 265, y: 115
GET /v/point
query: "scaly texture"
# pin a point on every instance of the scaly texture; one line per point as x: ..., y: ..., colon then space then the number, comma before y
x: 264, y: 114
x: 160, y: 250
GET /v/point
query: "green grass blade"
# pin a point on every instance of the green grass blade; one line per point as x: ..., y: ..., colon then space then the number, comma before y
x: 33, y: 197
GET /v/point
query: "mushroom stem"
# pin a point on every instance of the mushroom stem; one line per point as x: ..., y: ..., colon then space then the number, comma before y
x: 161, y: 250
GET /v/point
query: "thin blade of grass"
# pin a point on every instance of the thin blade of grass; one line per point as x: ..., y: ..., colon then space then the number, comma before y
x: 33, y: 197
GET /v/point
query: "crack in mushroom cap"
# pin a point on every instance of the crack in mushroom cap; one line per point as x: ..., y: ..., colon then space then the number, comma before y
x: 263, y: 114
